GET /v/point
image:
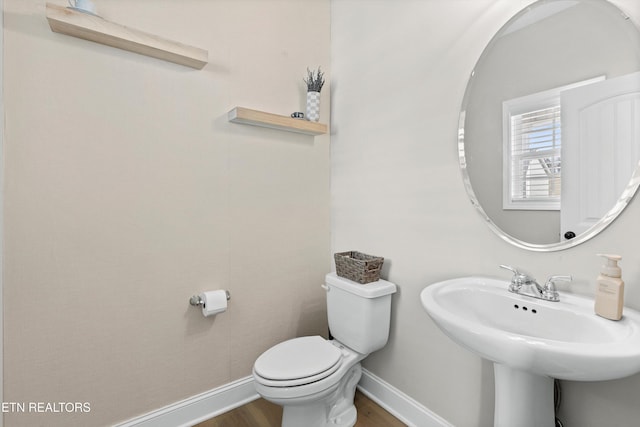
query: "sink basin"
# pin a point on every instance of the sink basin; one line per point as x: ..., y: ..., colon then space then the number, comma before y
x: 563, y: 340
x: 532, y: 341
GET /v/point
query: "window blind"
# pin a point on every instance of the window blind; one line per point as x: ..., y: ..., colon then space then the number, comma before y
x: 535, y: 152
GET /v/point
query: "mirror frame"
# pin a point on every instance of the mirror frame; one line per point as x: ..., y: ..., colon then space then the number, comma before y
x: 624, y: 199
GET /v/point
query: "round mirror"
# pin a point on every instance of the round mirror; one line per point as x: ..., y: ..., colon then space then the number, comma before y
x: 549, y: 135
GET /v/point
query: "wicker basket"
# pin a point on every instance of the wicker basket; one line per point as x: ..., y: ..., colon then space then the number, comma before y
x: 359, y: 267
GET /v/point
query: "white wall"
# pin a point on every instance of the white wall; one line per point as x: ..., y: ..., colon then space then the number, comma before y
x: 399, y: 73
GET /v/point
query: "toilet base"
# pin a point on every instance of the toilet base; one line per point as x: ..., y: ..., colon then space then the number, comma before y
x: 335, y: 410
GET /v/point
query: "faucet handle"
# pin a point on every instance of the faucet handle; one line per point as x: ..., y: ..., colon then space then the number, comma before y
x: 512, y: 269
x: 549, y: 291
x: 518, y: 278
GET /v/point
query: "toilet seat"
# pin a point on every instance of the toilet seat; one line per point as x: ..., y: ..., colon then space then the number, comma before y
x: 297, y: 361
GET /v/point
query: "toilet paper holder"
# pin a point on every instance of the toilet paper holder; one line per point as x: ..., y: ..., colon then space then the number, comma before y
x: 196, y: 301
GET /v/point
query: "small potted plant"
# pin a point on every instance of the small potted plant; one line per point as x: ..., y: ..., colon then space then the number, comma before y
x: 314, y: 81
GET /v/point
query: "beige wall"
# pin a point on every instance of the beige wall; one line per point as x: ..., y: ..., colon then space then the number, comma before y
x: 399, y: 70
x: 127, y: 191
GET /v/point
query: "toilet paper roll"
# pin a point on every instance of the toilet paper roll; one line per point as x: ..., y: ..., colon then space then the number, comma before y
x: 214, y: 302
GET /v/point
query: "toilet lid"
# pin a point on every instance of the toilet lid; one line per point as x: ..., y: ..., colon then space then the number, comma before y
x: 298, y: 358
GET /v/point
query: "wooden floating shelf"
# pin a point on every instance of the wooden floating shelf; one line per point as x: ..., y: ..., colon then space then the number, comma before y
x: 90, y: 27
x: 275, y: 121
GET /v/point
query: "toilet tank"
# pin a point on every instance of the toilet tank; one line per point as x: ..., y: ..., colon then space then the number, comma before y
x: 359, y: 315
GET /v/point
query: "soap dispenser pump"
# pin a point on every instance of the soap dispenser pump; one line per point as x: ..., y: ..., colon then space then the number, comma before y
x: 610, y: 289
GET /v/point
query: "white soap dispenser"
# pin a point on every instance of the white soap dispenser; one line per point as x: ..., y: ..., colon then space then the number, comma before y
x: 610, y: 289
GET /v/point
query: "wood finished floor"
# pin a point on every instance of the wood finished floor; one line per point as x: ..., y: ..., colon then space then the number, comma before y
x: 261, y: 413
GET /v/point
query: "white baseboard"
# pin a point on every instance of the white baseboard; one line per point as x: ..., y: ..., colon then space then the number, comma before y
x: 201, y: 407
x: 397, y: 403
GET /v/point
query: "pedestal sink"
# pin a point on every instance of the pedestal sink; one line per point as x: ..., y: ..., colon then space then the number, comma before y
x: 532, y: 341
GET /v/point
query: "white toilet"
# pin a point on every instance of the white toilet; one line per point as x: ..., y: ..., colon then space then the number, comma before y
x: 314, y: 379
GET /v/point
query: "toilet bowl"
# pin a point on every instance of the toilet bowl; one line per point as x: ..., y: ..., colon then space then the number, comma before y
x: 314, y: 379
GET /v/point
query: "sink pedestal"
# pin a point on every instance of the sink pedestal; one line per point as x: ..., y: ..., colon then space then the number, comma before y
x: 523, y: 399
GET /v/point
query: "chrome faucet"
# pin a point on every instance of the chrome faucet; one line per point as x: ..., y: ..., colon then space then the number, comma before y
x: 524, y: 284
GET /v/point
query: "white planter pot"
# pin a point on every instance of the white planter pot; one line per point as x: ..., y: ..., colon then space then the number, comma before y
x: 313, y: 106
